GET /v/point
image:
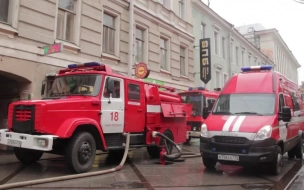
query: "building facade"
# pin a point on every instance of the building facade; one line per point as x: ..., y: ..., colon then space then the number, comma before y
x: 270, y: 42
x: 92, y: 31
x: 230, y: 50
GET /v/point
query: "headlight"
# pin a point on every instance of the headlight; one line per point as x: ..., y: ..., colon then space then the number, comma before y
x: 263, y: 133
x: 204, y: 130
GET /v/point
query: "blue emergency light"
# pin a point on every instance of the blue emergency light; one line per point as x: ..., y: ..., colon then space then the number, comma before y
x: 89, y: 64
x: 198, y: 88
x: 257, y: 68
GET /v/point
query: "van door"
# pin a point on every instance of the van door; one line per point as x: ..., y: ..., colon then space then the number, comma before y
x: 112, y: 107
x: 135, y: 113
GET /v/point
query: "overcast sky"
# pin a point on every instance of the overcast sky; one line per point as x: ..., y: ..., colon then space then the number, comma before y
x: 287, y: 16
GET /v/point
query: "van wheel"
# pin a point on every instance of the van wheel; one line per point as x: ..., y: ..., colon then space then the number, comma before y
x: 209, y: 163
x: 80, y: 152
x: 154, y: 151
x: 291, y: 154
x: 299, y: 149
x: 276, y: 165
x: 27, y: 156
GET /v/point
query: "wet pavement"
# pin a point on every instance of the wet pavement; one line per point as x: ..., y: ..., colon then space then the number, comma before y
x: 141, y: 172
x: 297, y: 183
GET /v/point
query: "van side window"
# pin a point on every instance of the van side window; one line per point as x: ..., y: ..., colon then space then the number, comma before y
x: 281, y: 102
x: 133, y: 92
x: 116, y: 93
x: 210, y: 103
x: 295, y: 102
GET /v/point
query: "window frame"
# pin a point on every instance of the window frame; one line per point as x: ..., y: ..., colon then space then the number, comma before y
x: 216, y: 42
x: 167, y: 50
x: 11, y: 27
x: 223, y: 47
x: 136, y: 100
x: 180, y: 60
x: 236, y: 55
x: 136, y: 46
x: 105, y: 85
x: 203, y: 30
x: 207, y: 104
x: 181, y: 4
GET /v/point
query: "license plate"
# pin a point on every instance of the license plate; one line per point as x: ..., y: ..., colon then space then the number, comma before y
x: 14, y: 143
x: 228, y: 157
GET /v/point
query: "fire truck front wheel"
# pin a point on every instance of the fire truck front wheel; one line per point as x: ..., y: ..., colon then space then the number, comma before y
x: 27, y: 156
x: 80, y: 152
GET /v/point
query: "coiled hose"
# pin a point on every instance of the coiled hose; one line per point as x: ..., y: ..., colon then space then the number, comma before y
x: 75, y: 176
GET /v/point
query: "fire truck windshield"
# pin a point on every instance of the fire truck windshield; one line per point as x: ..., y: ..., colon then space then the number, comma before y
x: 245, y: 104
x: 197, y: 101
x: 86, y: 84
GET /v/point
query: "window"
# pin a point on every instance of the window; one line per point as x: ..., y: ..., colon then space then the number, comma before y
x: 243, y: 57
x: 255, y: 61
x: 237, y: 55
x: 245, y: 104
x: 202, y: 31
x: 139, y: 45
x: 4, y: 11
x: 164, y: 3
x: 218, y: 79
x: 116, y: 93
x: 133, y: 92
x: 225, y: 78
x: 295, y: 102
x: 210, y: 103
x: 182, y: 61
x: 108, y: 45
x: 181, y: 8
x: 66, y: 20
x: 223, y: 47
x: 249, y: 60
x: 163, y: 54
x: 216, y: 48
x: 231, y: 52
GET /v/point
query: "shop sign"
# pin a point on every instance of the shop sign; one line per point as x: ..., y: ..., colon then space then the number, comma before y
x: 141, y: 71
x: 205, y: 60
x: 54, y: 48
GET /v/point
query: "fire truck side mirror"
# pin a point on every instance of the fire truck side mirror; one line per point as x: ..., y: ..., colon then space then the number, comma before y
x: 206, y: 112
x: 110, y: 85
x: 286, y: 114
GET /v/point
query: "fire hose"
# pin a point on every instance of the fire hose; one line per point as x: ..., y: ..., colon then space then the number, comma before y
x: 180, y: 154
x: 75, y: 176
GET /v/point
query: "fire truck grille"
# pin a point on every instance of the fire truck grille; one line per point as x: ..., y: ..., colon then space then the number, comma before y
x: 23, y: 115
x: 230, y: 140
x: 24, y: 119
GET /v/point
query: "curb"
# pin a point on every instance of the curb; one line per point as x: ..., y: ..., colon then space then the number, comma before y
x: 298, y: 177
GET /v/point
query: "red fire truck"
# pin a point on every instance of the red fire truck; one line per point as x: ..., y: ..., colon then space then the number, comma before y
x: 202, y: 101
x: 90, y: 107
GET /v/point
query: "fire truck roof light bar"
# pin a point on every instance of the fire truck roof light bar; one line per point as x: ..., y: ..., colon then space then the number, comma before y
x: 257, y: 68
x: 198, y: 88
x: 89, y: 64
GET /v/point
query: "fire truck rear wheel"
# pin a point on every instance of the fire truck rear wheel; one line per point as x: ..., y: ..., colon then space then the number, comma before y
x: 80, y: 152
x: 209, y: 162
x: 299, y: 149
x: 154, y: 151
x: 27, y: 156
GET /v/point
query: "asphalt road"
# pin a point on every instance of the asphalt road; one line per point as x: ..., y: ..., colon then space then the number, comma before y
x: 141, y: 172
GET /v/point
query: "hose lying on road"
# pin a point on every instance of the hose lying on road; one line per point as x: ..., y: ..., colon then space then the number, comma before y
x: 75, y: 176
x: 190, y: 155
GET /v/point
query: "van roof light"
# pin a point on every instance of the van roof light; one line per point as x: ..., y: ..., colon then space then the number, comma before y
x: 198, y: 88
x: 257, y: 68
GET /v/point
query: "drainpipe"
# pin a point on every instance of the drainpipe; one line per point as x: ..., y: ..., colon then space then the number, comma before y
x: 131, y: 32
x: 229, y: 50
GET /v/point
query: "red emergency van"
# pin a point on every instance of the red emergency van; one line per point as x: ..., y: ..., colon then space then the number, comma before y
x: 199, y: 98
x: 257, y: 118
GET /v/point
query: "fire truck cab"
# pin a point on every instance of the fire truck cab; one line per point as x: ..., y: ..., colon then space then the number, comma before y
x: 91, y: 107
x: 257, y: 118
x: 202, y: 101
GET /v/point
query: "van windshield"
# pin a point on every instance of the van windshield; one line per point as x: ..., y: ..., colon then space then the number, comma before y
x: 86, y: 84
x: 245, y: 104
x: 197, y: 101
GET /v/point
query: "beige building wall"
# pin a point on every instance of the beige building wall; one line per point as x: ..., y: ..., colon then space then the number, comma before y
x: 33, y: 24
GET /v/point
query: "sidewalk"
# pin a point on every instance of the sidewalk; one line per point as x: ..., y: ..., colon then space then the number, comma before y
x: 298, y: 181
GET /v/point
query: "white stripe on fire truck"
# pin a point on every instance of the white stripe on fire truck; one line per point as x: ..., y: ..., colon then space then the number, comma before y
x: 153, y: 109
x: 228, y: 123
x: 238, y: 123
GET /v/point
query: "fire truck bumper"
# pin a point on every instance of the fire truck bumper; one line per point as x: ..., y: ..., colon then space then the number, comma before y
x: 195, y: 134
x: 34, y: 142
x: 256, y: 153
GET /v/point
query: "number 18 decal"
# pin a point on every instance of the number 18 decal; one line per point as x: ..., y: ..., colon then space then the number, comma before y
x: 114, y: 116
